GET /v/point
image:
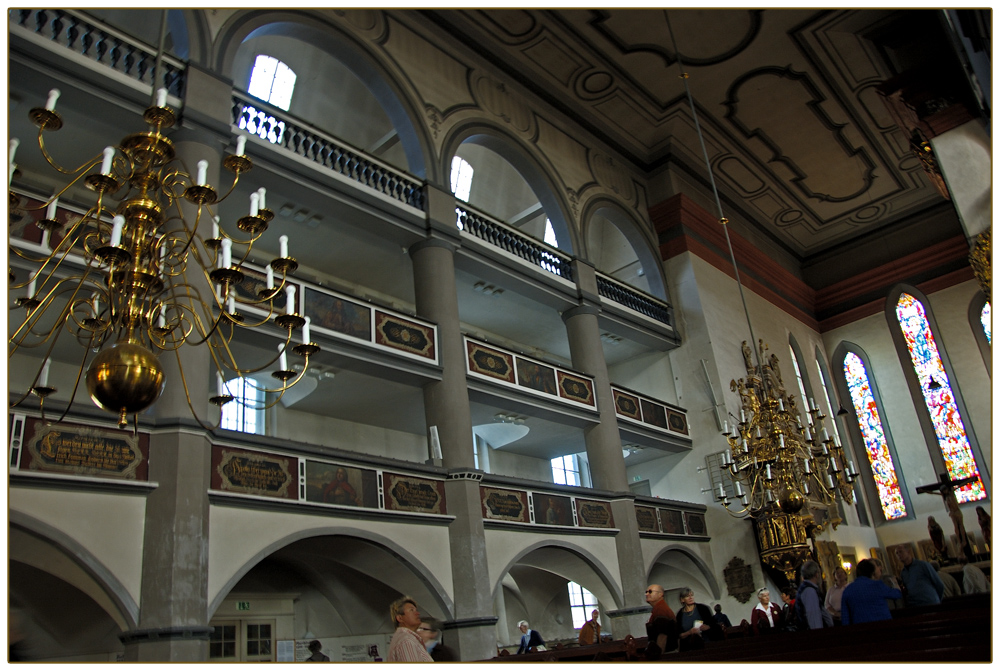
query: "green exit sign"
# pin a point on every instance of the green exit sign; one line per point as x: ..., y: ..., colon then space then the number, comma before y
x: 242, y: 605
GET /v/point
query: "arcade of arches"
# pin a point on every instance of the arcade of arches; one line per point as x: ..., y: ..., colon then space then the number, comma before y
x: 578, y: 305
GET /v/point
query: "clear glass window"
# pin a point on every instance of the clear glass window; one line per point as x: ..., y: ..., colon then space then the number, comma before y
x: 272, y: 81
x: 566, y: 470
x: 581, y: 603
x: 245, y: 412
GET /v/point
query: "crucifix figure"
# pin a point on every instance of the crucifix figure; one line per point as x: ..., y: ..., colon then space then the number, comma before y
x: 946, y: 488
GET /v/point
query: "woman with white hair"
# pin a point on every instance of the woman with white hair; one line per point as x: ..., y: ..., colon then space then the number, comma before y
x: 766, y: 616
x: 529, y: 638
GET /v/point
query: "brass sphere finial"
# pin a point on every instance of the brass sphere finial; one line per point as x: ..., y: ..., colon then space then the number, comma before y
x: 126, y: 378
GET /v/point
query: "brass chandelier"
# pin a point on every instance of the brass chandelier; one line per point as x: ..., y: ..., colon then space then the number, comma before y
x: 133, y: 278
x: 775, y: 460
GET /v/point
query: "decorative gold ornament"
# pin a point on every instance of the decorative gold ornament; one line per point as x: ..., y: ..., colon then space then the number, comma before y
x: 132, y: 278
x: 981, y: 260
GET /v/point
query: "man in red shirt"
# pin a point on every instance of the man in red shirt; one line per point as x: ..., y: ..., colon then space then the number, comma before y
x: 661, y: 628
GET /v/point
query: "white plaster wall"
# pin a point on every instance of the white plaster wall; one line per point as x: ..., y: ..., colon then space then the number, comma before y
x: 238, y: 534
x: 109, y: 526
x: 366, y: 439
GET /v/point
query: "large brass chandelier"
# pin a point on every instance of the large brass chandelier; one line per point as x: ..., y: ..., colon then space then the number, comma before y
x: 776, y: 462
x: 776, y: 458
x: 136, y: 276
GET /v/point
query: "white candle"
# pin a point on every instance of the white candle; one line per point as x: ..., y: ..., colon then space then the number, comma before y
x: 290, y: 302
x: 270, y: 277
x: 729, y: 456
x: 241, y: 143
x: 109, y: 154
x: 215, y: 228
x: 306, y: 337
x: 808, y: 467
x: 725, y: 427
x: 808, y: 435
x: 261, y: 192
x: 826, y: 435
x: 116, y: 230
x: 45, y: 239
x: 283, y: 246
x: 283, y: 364
x: 829, y: 481
x: 11, y: 166
x: 51, y: 212
x: 231, y: 305
x: 161, y: 97
x: 781, y: 405
x: 767, y: 471
x: 722, y: 492
x: 743, y: 416
x: 739, y: 490
x: 202, y: 172
x: 161, y: 320
x: 812, y: 402
x: 254, y: 203
x: 850, y: 468
x: 43, y: 379
x: 220, y: 385
x: 50, y: 104
x: 781, y: 439
x: 227, y: 253
x: 97, y: 304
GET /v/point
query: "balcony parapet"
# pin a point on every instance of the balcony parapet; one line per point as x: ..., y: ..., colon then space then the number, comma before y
x: 659, y: 518
x: 633, y: 299
x: 296, y: 136
x: 506, y: 368
x: 541, y: 507
x: 653, y: 415
x: 498, y: 234
x: 100, y: 44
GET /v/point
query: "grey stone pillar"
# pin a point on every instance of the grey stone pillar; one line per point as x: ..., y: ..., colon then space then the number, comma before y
x: 604, y: 451
x: 472, y: 632
x: 173, y: 609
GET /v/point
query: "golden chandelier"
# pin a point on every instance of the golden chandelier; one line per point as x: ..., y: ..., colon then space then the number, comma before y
x: 775, y: 459
x: 132, y: 277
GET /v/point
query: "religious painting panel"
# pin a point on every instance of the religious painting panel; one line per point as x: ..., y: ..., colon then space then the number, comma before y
x: 490, y: 362
x: 646, y: 518
x: 255, y: 473
x: 404, y: 335
x: 74, y: 449
x: 695, y: 523
x: 594, y: 514
x: 332, y: 313
x: 554, y: 510
x: 504, y: 504
x: 341, y: 485
x: 671, y: 521
x: 414, y: 495
x: 536, y: 376
x: 655, y: 414
x: 575, y: 388
x: 627, y: 405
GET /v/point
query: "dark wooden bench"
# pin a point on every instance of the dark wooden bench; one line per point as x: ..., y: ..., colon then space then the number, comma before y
x: 957, y: 630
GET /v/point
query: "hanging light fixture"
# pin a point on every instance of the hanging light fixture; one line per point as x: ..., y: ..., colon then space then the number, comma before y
x: 776, y: 463
x: 133, y: 278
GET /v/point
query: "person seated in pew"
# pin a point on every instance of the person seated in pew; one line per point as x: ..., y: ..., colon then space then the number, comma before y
x: 864, y: 600
x: 695, y: 622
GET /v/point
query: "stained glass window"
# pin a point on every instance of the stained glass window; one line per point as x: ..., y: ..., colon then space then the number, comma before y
x: 984, y: 319
x: 938, y: 396
x: 883, y: 471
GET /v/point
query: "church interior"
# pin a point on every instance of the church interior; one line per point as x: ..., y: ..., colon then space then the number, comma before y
x: 512, y: 311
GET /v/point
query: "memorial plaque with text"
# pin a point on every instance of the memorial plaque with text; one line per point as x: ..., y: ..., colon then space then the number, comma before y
x: 257, y: 473
x: 646, y: 518
x: 594, y: 514
x: 415, y: 495
x: 83, y: 450
x: 504, y: 504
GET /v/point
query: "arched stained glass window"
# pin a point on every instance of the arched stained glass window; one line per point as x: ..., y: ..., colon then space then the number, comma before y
x: 883, y: 471
x: 938, y: 396
x: 984, y: 319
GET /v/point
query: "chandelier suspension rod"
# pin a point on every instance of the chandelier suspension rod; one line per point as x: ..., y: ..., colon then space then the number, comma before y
x: 715, y: 190
x: 159, y: 55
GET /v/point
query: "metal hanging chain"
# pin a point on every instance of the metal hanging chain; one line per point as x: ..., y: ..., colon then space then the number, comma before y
x: 715, y: 193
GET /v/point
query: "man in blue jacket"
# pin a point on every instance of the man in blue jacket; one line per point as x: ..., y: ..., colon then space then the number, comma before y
x: 921, y: 582
x: 864, y: 600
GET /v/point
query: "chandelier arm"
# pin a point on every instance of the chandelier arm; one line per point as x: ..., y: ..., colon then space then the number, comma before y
x: 36, y: 313
x: 76, y: 385
x: 48, y: 158
x: 187, y: 396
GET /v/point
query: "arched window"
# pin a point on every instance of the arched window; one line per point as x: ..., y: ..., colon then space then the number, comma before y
x: 550, y: 234
x: 939, y: 397
x: 826, y: 405
x: 890, y: 493
x: 581, y: 602
x: 461, y: 178
x: 986, y: 322
x: 272, y: 81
